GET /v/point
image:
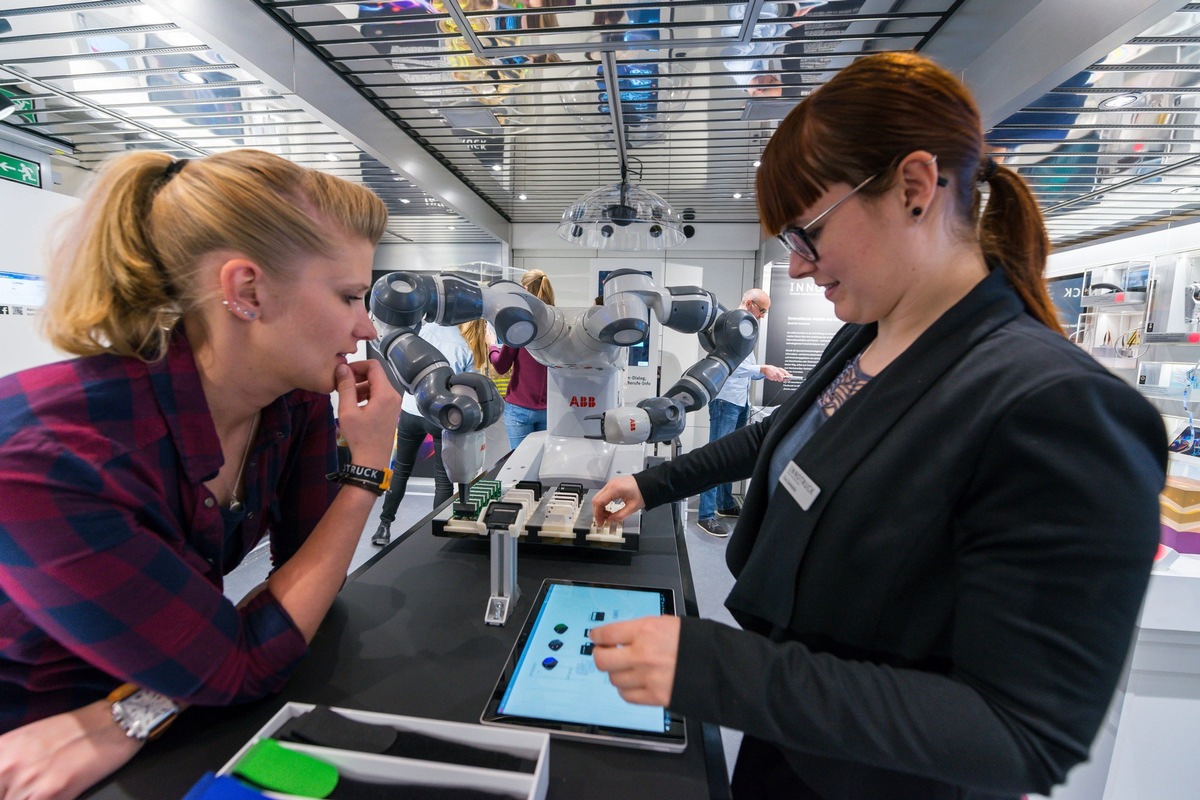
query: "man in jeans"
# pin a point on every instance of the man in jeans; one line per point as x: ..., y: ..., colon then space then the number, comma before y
x: 728, y: 411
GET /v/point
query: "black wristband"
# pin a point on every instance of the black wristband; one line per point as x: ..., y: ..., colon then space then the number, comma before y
x: 375, y: 480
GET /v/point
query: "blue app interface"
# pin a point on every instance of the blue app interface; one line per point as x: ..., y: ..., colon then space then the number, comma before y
x: 556, y: 677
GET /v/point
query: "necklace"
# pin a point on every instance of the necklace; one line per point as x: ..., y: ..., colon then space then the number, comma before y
x: 235, y: 503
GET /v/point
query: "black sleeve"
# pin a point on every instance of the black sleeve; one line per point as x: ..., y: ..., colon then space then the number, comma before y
x: 730, y: 458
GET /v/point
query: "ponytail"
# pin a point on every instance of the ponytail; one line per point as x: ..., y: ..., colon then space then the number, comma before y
x: 110, y: 292
x: 537, y: 283
x: 475, y: 334
x: 1011, y: 232
x: 127, y: 269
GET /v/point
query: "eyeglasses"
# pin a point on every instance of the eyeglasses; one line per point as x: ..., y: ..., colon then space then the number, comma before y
x: 762, y: 312
x: 795, y: 237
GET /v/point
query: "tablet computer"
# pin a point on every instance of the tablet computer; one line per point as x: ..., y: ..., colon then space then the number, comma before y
x: 551, y: 683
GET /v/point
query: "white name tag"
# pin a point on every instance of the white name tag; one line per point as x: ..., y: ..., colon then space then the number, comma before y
x: 799, y: 486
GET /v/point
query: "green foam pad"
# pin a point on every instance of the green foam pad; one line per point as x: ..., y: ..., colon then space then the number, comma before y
x: 272, y: 766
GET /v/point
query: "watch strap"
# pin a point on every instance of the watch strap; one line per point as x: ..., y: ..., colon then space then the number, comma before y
x: 136, y: 728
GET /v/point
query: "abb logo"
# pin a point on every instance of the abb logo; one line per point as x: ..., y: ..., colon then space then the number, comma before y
x: 632, y: 424
x: 583, y: 402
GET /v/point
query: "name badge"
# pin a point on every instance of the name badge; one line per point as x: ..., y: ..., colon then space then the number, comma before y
x: 799, y: 486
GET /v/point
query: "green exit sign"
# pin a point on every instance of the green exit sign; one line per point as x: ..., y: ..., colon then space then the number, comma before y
x: 23, y: 104
x: 20, y: 170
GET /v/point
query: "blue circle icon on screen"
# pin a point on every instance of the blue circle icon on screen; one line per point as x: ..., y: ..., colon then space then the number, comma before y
x: 550, y: 662
x: 555, y: 644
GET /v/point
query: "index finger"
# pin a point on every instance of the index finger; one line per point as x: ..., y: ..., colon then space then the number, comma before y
x: 614, y: 634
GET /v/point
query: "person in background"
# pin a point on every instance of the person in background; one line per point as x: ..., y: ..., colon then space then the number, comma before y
x: 525, y: 403
x: 728, y: 411
x: 950, y: 525
x: 412, y: 428
x: 212, y: 304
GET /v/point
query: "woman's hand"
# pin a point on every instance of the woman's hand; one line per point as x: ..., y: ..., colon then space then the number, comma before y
x: 59, y: 757
x: 368, y: 408
x: 639, y: 657
x: 623, y: 489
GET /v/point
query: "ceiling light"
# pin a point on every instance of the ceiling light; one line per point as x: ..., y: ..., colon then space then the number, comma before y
x: 6, y: 106
x: 332, y: 157
x: 397, y: 178
x: 768, y: 108
x: 192, y: 77
x: 757, y: 164
x: 471, y: 116
x: 1121, y: 100
x: 450, y: 227
x: 737, y: 195
x: 495, y: 167
x: 405, y: 200
x: 522, y: 197
x: 621, y: 217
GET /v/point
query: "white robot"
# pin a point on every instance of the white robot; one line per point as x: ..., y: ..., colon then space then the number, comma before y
x: 541, y: 491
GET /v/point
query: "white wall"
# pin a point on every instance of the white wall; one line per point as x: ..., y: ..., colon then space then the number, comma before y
x: 27, y: 216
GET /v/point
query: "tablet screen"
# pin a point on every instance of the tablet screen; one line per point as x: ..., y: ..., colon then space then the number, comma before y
x: 551, y: 681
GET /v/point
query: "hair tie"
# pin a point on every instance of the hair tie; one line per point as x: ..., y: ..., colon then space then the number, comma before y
x: 173, y: 168
x: 987, y: 169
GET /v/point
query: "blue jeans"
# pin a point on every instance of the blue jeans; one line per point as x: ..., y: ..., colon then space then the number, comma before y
x: 521, y: 421
x: 723, y: 419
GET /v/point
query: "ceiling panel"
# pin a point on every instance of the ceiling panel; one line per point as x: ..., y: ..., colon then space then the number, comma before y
x: 513, y: 100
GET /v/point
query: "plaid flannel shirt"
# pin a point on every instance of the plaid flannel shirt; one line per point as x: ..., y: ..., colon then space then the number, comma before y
x: 112, y: 551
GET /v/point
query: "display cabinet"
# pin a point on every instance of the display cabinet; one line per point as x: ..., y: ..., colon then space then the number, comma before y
x: 1141, y: 319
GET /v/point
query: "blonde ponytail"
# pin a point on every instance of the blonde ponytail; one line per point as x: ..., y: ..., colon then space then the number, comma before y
x: 126, y: 271
x: 109, y: 291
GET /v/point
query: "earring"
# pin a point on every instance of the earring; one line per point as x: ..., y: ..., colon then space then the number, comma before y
x: 237, y: 310
x: 916, y: 212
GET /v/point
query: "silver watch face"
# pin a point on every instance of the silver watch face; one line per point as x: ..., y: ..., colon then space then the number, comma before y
x: 142, y: 712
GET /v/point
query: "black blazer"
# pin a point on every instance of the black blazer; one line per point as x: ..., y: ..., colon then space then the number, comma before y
x: 950, y: 616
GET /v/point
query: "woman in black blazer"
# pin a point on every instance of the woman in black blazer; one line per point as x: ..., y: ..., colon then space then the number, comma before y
x: 950, y: 526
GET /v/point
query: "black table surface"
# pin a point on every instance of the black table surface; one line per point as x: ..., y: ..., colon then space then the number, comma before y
x: 406, y: 636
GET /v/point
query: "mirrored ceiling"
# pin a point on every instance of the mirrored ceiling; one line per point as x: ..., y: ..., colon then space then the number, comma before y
x: 518, y: 107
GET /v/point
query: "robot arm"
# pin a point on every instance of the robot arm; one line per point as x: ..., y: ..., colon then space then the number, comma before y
x: 461, y: 405
x: 727, y: 336
x: 630, y: 297
x: 406, y: 299
x: 661, y: 419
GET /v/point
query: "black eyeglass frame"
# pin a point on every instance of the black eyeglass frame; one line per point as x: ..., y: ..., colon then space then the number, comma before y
x: 795, y: 237
x: 761, y: 310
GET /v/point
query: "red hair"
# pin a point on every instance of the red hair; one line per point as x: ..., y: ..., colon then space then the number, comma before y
x: 872, y: 114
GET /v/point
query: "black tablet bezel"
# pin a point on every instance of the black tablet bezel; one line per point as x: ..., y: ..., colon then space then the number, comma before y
x: 673, y: 740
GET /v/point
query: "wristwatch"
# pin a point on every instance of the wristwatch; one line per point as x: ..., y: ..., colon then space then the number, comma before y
x: 141, y: 713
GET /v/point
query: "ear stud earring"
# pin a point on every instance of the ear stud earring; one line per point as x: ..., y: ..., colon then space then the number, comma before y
x: 237, y: 310
x: 916, y: 212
